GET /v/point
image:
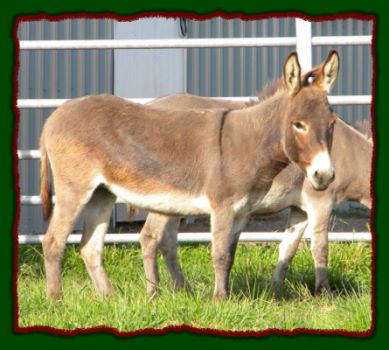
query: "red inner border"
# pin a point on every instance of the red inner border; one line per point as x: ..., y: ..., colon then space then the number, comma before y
x: 186, y: 328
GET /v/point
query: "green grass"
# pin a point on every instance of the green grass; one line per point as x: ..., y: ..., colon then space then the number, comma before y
x: 251, y: 307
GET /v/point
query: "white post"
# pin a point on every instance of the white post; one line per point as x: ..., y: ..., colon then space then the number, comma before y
x: 304, y: 43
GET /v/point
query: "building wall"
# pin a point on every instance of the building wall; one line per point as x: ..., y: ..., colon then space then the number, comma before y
x: 356, y: 69
x: 149, y: 72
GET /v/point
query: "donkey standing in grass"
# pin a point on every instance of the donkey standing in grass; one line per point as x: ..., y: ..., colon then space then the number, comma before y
x: 213, y: 162
x: 310, y: 210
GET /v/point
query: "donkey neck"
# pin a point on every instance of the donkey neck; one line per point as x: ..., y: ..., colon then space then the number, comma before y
x: 262, y: 124
x: 350, y: 144
x: 352, y: 157
x: 252, y: 140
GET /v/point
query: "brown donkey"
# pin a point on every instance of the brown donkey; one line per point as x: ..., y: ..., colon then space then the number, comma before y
x: 213, y: 162
x: 310, y: 211
x: 352, y: 159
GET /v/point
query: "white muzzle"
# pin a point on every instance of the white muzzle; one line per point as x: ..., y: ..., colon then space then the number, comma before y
x: 321, y: 173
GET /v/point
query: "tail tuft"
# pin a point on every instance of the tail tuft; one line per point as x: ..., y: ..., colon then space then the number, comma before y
x: 132, y: 212
x: 46, y: 188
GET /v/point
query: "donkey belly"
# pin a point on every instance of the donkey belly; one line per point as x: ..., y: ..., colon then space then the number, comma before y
x: 168, y: 202
x: 163, y: 202
x: 275, y: 201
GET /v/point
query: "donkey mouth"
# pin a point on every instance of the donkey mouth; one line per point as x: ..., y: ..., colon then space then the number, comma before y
x: 320, y: 172
x: 321, y: 183
x: 319, y: 187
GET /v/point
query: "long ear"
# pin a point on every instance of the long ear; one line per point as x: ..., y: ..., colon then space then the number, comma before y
x: 326, y: 79
x: 292, y: 72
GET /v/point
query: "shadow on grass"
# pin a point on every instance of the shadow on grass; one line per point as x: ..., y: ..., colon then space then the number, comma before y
x: 299, y: 284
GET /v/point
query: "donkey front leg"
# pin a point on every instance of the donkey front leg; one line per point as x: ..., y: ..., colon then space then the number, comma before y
x: 297, y: 222
x: 97, y: 214
x: 156, y: 229
x: 168, y: 245
x: 225, y: 236
x: 319, y: 216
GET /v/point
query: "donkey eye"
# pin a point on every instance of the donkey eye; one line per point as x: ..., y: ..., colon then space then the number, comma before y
x: 299, y: 126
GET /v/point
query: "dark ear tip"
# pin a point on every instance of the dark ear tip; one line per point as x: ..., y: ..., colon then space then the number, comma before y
x: 332, y: 53
x: 293, y: 53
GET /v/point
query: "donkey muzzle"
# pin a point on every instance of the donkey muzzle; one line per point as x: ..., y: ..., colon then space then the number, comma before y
x: 320, y: 173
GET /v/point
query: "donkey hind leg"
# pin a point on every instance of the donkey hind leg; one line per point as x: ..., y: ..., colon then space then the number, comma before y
x: 66, y: 210
x: 319, y: 217
x: 297, y: 222
x: 155, y: 228
x: 168, y: 246
x: 97, y: 214
x: 225, y: 236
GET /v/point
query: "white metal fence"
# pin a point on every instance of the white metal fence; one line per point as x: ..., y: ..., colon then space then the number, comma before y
x: 200, y: 237
x: 303, y: 42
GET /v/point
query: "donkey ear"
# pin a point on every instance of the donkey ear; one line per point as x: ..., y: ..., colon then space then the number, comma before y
x: 330, y: 69
x: 292, y: 72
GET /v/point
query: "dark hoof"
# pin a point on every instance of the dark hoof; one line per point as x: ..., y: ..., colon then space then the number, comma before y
x: 179, y: 285
x: 152, y: 296
x: 54, y: 296
x: 278, y: 289
x: 220, y: 296
x: 324, y: 290
x: 109, y: 294
x: 188, y: 289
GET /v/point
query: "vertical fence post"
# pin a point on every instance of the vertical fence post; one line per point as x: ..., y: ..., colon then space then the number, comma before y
x: 304, y: 43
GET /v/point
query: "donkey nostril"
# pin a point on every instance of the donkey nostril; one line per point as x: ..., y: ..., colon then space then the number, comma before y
x: 333, y: 176
x: 324, y: 176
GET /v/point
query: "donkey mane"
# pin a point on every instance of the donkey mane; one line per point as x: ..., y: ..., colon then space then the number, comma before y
x: 359, y: 129
x: 276, y: 86
x: 271, y: 88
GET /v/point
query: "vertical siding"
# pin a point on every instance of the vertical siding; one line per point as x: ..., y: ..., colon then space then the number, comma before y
x: 356, y: 69
x: 55, y: 74
x: 235, y: 71
x: 244, y: 71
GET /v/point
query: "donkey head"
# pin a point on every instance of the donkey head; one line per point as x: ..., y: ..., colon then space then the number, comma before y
x: 309, y: 121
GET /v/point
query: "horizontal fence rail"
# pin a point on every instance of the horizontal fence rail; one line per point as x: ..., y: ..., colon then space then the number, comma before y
x: 53, y: 103
x: 188, y: 43
x: 342, y: 40
x: 155, y: 43
x: 36, y: 200
x: 205, y: 237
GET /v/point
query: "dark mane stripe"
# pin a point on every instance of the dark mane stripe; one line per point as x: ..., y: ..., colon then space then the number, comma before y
x: 222, y: 122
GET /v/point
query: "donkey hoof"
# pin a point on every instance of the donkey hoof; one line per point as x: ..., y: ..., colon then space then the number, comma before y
x: 152, y: 294
x: 179, y: 285
x: 187, y: 289
x: 220, y: 296
x: 277, y: 288
x: 54, y: 296
x: 324, y: 290
x: 108, y: 294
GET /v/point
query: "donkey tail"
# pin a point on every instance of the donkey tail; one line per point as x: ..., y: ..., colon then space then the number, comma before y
x: 46, y: 187
x: 132, y: 212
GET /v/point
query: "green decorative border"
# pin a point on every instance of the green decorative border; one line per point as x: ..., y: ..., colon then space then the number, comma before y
x: 8, y: 17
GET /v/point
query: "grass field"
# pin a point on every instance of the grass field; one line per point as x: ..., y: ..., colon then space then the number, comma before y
x: 251, y: 307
